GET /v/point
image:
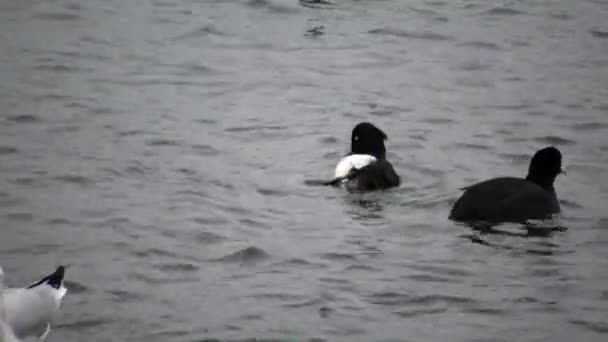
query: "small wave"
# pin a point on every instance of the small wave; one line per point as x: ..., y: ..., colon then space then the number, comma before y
x: 207, y: 30
x: 96, y: 40
x: 411, y: 34
x: 361, y: 267
x: 315, y: 31
x: 473, y: 146
x: 249, y: 222
x: 483, y: 45
x: 516, y: 157
x: 438, y: 121
x: 276, y: 296
x: 80, y: 55
x: 598, y: 327
x: 76, y: 287
x: 472, y: 66
x: 511, y: 107
x: 173, y: 334
x: 61, y: 68
x: 395, y: 298
x: 561, y: 16
x: 271, y: 192
x: 130, y: 133
x: 153, y: 252
x: 4, y: 150
x: 195, y: 69
x: 272, y: 6
x: 555, y: 140
x: 100, y: 110
x: 486, y: 311
x: 297, y: 262
x: 135, y: 170
x: 37, y: 249
x: 599, y: 34
x: 589, y: 126
x: 317, y: 3
x: 504, y: 11
x: 442, y: 270
x: 383, y: 112
x: 419, y: 312
x: 251, y: 317
x: 159, y: 279
x: 338, y: 256
x: 20, y: 217
x: 82, y: 324
x: 73, y: 179
x: 228, y: 186
x: 429, y: 278
x: 208, y: 238
x: 59, y: 222
x: 186, y: 171
x: 255, y: 128
x: 332, y: 280
x: 570, y: 204
x: 329, y: 140
x: 162, y: 142
x: 177, y: 267
x: 205, y: 121
x: 210, y: 221
x: 57, y: 16
x: 24, y: 118
x: 245, y: 256
x: 310, y: 302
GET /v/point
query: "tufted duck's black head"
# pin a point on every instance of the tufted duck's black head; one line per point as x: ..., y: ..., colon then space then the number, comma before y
x: 368, y: 139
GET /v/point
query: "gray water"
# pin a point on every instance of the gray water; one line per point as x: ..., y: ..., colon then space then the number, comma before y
x: 161, y: 149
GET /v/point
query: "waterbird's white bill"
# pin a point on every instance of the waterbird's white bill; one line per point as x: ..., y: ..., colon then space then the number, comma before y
x: 354, y: 161
x: 27, y: 312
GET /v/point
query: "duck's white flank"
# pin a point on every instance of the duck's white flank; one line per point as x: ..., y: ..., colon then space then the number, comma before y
x: 354, y: 161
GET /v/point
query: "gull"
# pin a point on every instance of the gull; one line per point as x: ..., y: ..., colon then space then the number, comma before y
x: 27, y: 312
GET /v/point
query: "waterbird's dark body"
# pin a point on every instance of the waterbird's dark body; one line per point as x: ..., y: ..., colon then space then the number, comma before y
x: 511, y: 199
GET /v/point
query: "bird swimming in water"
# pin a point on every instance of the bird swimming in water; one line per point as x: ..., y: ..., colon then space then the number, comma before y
x: 365, y: 168
x: 512, y: 199
x: 27, y: 312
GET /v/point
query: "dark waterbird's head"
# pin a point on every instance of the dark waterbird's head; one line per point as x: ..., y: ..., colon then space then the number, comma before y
x: 368, y: 139
x: 545, y: 166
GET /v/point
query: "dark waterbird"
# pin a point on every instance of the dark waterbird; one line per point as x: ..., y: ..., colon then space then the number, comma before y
x: 511, y: 199
x: 365, y: 168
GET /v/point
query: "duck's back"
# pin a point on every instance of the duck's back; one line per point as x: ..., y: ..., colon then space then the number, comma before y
x: 505, y: 199
x: 375, y: 176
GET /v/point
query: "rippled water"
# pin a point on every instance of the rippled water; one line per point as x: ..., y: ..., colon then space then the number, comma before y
x: 161, y: 148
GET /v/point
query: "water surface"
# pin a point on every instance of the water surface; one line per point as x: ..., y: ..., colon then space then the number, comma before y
x: 161, y: 148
